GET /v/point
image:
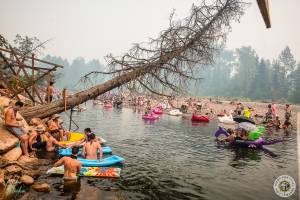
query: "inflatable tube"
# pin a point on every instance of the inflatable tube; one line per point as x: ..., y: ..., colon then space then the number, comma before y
x: 106, y: 162
x: 150, y: 117
x: 157, y: 111
x: 68, y: 151
x: 226, y: 120
x: 258, y: 143
x: 107, y: 105
x: 253, y: 135
x: 240, y: 119
x: 199, y: 118
x: 75, y: 137
x: 221, y: 131
x: 248, y: 126
x: 97, y: 103
x: 175, y: 112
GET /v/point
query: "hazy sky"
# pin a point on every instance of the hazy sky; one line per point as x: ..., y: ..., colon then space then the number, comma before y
x: 94, y: 28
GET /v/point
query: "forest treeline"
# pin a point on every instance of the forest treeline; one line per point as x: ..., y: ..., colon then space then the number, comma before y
x: 237, y: 73
x: 69, y: 76
x: 243, y: 74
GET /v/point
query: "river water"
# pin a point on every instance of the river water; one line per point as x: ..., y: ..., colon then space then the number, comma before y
x: 175, y: 159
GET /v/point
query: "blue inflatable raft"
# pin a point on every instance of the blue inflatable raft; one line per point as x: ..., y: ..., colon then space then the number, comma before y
x: 106, y: 162
x: 68, y: 151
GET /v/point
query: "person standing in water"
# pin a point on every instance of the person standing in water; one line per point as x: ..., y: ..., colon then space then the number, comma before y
x: 274, y: 111
x: 90, y: 149
x: 71, y: 165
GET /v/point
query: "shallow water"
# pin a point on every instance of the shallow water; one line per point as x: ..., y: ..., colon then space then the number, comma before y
x: 175, y: 159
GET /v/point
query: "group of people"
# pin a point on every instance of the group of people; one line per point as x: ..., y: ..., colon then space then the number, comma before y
x: 48, y: 136
x: 35, y: 137
x: 272, y: 117
x: 90, y: 148
x: 238, y: 134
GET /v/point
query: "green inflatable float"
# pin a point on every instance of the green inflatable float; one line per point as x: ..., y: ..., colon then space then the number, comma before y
x: 254, y: 135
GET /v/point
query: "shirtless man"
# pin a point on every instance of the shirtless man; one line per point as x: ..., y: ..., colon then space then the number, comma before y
x: 50, y: 92
x: 55, y: 127
x: 91, y: 148
x: 52, y: 143
x: 71, y: 166
x: 15, y: 126
x: 36, y: 140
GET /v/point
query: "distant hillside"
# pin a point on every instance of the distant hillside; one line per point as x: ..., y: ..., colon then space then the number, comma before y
x: 69, y: 76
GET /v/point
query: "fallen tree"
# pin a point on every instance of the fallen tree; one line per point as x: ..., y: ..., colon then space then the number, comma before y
x: 167, y: 62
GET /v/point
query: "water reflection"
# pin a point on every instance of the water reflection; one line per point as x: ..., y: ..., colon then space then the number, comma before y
x: 174, y: 158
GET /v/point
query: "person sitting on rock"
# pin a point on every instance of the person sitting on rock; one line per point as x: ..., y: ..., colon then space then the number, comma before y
x: 36, y: 139
x: 52, y: 143
x: 56, y: 129
x: 72, y: 167
x: 15, y: 125
x: 66, y: 134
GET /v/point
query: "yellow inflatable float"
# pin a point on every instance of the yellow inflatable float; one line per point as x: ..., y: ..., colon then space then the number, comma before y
x: 75, y: 137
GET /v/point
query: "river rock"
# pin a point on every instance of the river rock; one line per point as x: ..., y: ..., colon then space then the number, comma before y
x: 13, y: 169
x: 7, y: 140
x: 41, y: 187
x: 27, y: 180
x: 4, y: 101
x: 13, y: 154
x: 2, y: 185
x: 27, y: 160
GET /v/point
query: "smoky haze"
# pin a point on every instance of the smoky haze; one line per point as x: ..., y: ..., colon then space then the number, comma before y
x: 94, y: 28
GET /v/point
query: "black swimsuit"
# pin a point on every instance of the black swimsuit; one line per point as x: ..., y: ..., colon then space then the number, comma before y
x: 39, y: 144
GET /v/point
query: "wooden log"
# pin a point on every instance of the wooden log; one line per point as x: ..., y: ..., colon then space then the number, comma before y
x: 43, y: 111
x: 264, y: 9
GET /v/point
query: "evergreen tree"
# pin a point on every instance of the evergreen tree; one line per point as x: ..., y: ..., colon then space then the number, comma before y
x: 295, y: 86
x: 260, y: 83
x: 287, y: 65
x: 247, y: 62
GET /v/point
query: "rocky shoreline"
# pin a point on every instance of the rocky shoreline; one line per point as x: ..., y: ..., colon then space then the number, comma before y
x: 16, y: 169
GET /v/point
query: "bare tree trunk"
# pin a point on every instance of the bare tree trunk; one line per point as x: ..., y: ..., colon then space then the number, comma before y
x: 170, y: 59
x: 46, y: 110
